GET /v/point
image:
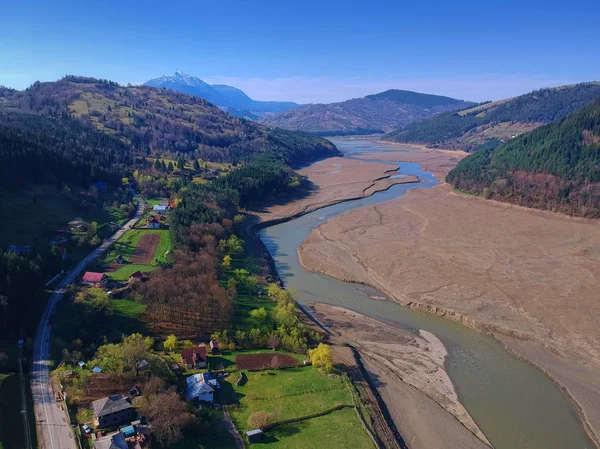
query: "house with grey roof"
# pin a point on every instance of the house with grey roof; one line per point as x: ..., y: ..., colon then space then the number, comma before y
x: 113, y: 410
x: 114, y: 441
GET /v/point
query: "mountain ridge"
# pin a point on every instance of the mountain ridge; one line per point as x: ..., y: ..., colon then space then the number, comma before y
x: 377, y: 113
x: 228, y: 98
x: 492, y: 123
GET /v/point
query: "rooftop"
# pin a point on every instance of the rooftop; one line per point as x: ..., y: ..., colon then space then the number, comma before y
x: 112, y: 404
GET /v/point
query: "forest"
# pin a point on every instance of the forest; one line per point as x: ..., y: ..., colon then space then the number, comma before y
x: 451, y: 129
x: 555, y: 167
x: 158, y: 121
x: 38, y: 150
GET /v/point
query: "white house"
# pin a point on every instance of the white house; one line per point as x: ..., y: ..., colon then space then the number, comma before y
x: 161, y: 208
x: 200, y: 388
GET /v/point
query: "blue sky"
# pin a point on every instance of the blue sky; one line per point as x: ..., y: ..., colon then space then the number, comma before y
x: 308, y: 51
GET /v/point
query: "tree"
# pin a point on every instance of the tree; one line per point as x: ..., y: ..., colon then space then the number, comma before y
x: 258, y: 315
x: 157, y: 165
x: 135, y: 349
x: 196, y: 165
x: 187, y: 344
x: 226, y: 262
x: 171, y: 343
x: 180, y: 163
x: 321, y: 357
x: 167, y: 413
x: 259, y: 420
x: 170, y: 167
x: 273, y: 341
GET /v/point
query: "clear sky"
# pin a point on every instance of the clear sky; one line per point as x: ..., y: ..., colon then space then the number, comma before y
x: 307, y: 50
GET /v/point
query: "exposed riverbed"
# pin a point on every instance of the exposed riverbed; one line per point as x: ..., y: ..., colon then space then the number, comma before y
x: 513, y: 403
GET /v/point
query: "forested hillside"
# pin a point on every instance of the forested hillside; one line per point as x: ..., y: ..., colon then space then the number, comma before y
x: 377, y: 113
x: 555, y: 167
x: 37, y: 150
x: 158, y: 122
x: 490, y: 124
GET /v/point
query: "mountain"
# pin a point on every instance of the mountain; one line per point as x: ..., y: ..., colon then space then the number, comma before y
x: 489, y: 124
x: 229, y: 98
x: 372, y: 114
x: 161, y: 122
x: 555, y: 167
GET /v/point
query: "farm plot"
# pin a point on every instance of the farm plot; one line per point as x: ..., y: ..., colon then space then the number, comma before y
x: 141, y: 250
x: 265, y: 361
x: 144, y: 252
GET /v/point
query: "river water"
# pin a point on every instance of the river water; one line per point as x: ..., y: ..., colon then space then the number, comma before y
x: 514, y: 404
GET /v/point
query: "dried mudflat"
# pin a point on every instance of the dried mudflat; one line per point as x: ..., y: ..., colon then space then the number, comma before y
x: 530, y: 277
x: 333, y: 180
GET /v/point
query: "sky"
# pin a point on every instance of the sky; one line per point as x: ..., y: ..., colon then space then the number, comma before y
x: 308, y: 51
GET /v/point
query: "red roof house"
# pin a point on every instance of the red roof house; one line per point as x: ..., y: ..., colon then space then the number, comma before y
x: 92, y: 278
x: 195, y: 357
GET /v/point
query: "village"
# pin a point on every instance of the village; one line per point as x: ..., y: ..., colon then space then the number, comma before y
x: 146, y: 388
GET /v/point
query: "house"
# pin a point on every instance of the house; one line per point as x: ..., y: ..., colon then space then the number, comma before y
x: 112, y: 411
x: 120, y: 260
x: 136, y: 275
x: 96, y: 279
x: 254, y: 436
x: 214, y: 347
x: 100, y: 186
x: 161, y: 208
x: 153, y: 223
x: 198, y: 387
x: 194, y: 357
x: 20, y: 250
x: 114, y: 441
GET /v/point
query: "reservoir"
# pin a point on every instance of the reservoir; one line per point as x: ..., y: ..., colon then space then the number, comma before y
x: 515, y: 405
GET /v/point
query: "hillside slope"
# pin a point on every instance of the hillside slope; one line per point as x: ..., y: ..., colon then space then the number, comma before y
x: 229, y: 98
x: 372, y: 114
x: 490, y: 124
x: 555, y: 167
x: 157, y: 121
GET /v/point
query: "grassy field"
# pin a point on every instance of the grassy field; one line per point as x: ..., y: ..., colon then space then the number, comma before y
x: 294, y: 393
x: 127, y: 308
x: 339, y: 429
x: 126, y: 245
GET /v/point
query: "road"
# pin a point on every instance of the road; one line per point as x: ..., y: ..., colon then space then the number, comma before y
x: 53, y: 430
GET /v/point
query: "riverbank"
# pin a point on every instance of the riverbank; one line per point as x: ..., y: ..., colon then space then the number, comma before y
x: 408, y: 371
x: 519, y: 273
x: 331, y: 181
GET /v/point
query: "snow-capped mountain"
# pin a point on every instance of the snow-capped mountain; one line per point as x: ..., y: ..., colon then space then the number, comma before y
x: 228, y: 98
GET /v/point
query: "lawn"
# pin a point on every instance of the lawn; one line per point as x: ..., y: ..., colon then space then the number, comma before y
x: 294, y: 393
x: 154, y: 201
x: 289, y: 393
x: 122, y: 274
x: 127, y: 307
x: 340, y: 429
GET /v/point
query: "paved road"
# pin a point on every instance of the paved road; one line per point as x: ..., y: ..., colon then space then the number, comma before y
x: 53, y: 430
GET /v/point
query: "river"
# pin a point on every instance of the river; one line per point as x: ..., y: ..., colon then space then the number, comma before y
x: 514, y: 404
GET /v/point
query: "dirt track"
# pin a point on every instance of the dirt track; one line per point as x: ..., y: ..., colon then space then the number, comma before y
x: 145, y: 248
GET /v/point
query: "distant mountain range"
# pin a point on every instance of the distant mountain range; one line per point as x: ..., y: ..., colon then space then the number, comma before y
x: 228, y: 98
x: 377, y: 113
x: 555, y: 167
x: 490, y: 124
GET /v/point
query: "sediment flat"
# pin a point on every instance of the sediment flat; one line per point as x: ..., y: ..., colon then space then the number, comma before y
x: 334, y: 180
x: 529, y: 275
x: 408, y: 371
